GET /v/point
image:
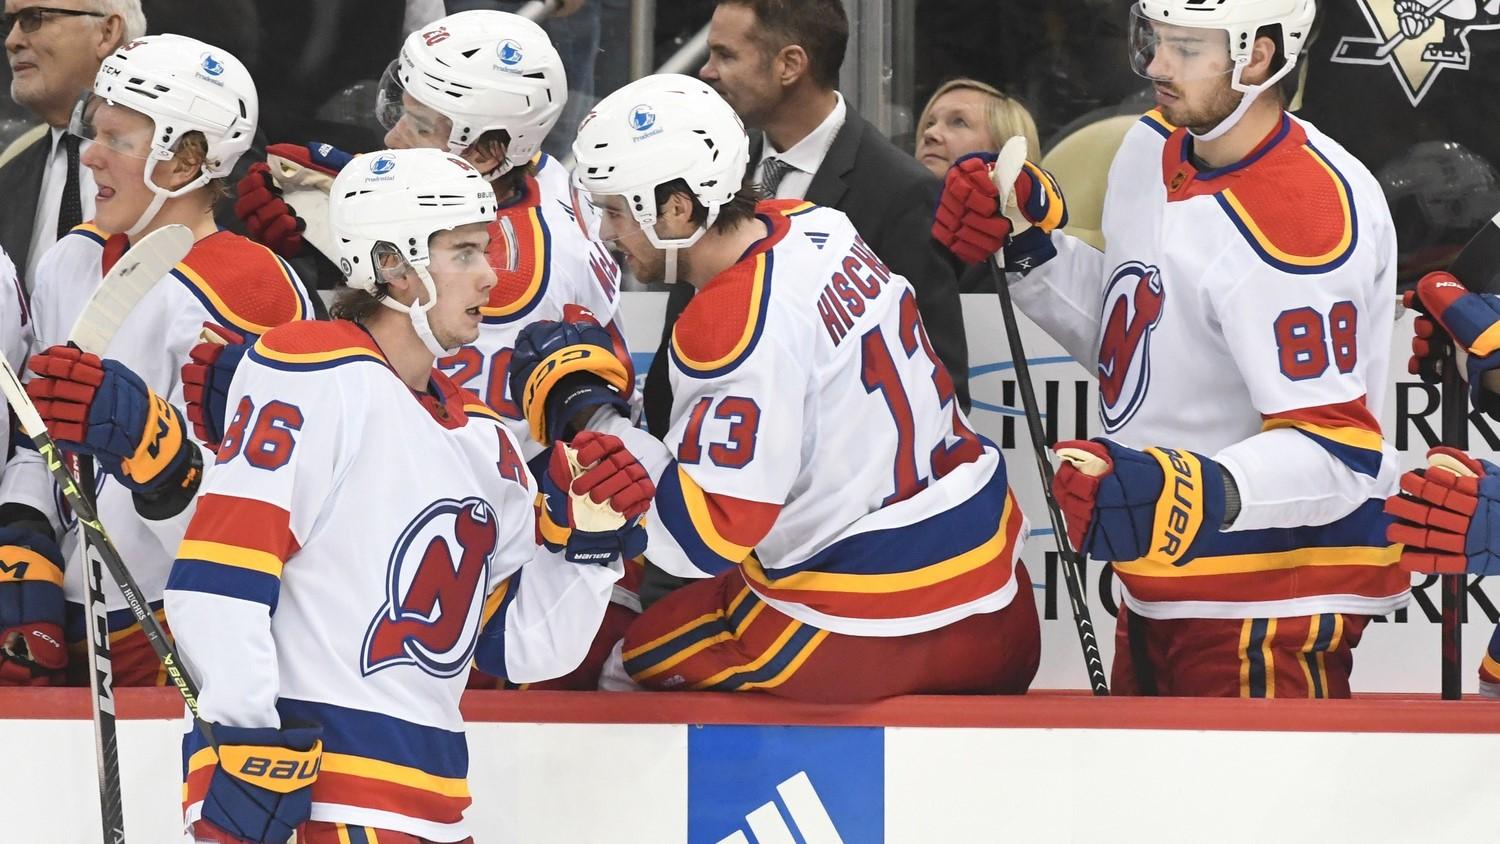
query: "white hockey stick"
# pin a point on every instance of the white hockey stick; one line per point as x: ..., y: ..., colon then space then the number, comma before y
x: 136, y: 272
x: 306, y: 190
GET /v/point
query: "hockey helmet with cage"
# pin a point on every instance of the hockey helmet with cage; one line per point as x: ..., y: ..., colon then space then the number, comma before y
x: 181, y: 85
x: 656, y: 130
x: 483, y: 70
x: 390, y: 203
x: 1231, y: 27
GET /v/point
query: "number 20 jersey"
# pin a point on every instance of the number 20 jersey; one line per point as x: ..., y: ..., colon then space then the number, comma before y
x: 817, y: 442
x: 1245, y: 313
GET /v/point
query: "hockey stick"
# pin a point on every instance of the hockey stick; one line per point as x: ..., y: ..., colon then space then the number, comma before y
x: 1007, y: 166
x: 1477, y: 265
x: 135, y: 273
x: 1356, y: 50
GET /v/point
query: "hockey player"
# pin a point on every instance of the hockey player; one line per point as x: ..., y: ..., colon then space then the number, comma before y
x: 489, y: 86
x: 1239, y: 321
x: 1448, y: 515
x: 854, y: 537
x: 364, y: 517
x: 166, y: 121
x: 15, y: 329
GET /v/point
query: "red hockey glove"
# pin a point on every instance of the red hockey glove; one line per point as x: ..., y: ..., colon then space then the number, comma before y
x: 595, y: 493
x: 968, y: 221
x: 1447, y: 516
x: 206, y: 376
x: 268, y: 219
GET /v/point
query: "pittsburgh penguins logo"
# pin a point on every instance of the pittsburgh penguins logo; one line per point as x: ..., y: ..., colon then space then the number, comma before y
x: 1418, y: 39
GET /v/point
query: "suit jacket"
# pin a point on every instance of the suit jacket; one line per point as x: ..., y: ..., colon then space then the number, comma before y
x: 890, y: 199
x: 21, y: 185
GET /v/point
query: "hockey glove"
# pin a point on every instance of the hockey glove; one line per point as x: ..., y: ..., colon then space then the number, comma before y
x: 260, y: 789
x: 970, y: 223
x: 1472, y: 320
x: 1448, y: 515
x: 101, y: 408
x: 268, y: 219
x: 564, y: 371
x: 595, y: 493
x: 1122, y: 504
x: 206, y: 376
x: 31, y: 609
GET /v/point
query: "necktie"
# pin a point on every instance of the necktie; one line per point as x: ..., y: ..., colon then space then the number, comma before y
x: 70, y: 211
x: 773, y: 170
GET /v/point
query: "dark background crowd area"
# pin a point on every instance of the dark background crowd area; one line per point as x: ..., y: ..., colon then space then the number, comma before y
x: 316, y: 64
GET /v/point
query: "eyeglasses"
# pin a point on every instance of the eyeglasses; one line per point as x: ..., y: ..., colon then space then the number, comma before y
x: 32, y: 17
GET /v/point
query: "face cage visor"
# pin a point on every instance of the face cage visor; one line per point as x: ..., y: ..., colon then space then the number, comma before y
x: 1169, y: 53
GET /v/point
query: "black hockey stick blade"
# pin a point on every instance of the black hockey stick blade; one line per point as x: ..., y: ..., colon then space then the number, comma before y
x: 1477, y: 265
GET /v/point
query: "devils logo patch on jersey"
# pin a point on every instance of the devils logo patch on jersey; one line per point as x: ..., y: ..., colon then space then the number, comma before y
x: 435, y: 583
x: 1133, y: 303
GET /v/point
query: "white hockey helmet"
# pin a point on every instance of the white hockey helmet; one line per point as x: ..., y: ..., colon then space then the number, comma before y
x: 392, y: 202
x: 656, y: 130
x: 483, y: 70
x: 1234, y: 24
x: 182, y: 85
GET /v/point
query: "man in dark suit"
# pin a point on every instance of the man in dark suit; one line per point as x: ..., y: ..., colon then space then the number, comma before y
x: 777, y: 62
x: 54, y: 49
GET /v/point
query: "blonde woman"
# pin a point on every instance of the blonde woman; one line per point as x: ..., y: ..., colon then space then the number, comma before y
x: 966, y: 115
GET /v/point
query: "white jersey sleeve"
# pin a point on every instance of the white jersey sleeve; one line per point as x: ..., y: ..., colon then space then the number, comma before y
x: 1062, y: 297
x: 15, y: 330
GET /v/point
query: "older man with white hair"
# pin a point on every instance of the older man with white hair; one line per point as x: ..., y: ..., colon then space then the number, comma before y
x: 54, y: 48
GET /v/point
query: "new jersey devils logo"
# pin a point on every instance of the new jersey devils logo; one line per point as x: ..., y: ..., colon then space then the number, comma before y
x: 1133, y: 303
x: 434, y: 590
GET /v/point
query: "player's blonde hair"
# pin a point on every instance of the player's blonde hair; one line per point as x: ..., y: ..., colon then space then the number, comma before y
x: 1004, y: 115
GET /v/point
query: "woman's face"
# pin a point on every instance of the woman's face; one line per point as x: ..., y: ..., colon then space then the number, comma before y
x: 955, y: 127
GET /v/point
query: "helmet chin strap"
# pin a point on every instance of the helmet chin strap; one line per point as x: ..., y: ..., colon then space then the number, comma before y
x: 669, y: 275
x: 159, y: 197
x: 417, y: 312
x: 1250, y: 92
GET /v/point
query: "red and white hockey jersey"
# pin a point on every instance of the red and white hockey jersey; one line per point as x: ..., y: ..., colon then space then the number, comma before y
x: 225, y: 279
x: 817, y: 443
x: 348, y: 545
x: 560, y: 262
x: 1245, y: 313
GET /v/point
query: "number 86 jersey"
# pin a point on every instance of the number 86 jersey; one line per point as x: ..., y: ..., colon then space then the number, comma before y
x: 816, y: 441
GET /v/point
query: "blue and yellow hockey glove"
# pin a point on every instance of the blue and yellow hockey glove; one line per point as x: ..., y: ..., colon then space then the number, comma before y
x: 1122, y: 504
x: 261, y: 788
x: 102, y: 409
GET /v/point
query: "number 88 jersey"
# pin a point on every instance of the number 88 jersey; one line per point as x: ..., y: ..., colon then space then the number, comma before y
x: 817, y: 442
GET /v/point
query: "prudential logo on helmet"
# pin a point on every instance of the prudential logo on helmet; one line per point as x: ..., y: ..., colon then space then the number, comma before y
x: 211, y: 65
x: 383, y: 165
x: 642, y: 118
x: 510, y: 53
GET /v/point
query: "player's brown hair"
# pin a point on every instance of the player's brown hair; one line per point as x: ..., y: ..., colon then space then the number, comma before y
x: 193, y: 150
x: 494, y: 143
x: 355, y: 305
x: 819, y: 27
x: 731, y: 213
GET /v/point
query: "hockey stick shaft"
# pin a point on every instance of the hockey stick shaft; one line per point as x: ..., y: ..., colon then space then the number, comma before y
x: 88, y: 522
x: 101, y: 680
x: 1068, y: 559
x: 1454, y: 415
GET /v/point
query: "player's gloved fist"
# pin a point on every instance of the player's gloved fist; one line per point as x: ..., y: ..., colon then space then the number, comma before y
x: 562, y: 372
x: 1121, y: 504
x: 1447, y: 515
x: 31, y: 609
x: 268, y: 218
x: 968, y: 221
x: 971, y: 223
x: 260, y: 789
x: 206, y: 376
x: 1471, y: 320
x: 597, y: 491
x: 101, y: 408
